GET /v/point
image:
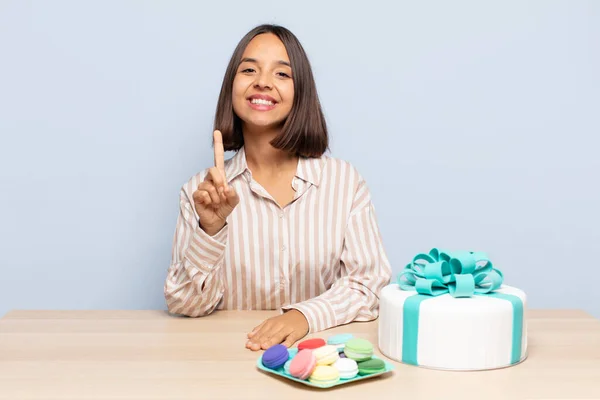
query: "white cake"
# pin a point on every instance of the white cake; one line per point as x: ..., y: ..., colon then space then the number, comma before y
x: 468, y: 333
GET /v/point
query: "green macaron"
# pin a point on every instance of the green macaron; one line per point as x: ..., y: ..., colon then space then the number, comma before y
x: 371, y: 366
x: 358, y: 349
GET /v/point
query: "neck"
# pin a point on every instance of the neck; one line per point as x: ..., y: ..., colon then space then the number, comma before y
x: 262, y: 157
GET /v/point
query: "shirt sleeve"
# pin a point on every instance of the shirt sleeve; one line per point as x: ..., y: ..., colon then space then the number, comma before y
x: 194, y: 286
x: 365, y: 271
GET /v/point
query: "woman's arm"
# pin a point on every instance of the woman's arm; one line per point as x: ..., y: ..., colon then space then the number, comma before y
x: 193, y: 286
x: 365, y: 271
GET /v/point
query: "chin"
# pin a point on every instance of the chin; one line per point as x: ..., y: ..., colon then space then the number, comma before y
x: 263, y: 123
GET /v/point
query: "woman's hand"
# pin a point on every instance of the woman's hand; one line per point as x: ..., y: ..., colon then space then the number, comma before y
x: 287, y: 328
x: 215, y: 199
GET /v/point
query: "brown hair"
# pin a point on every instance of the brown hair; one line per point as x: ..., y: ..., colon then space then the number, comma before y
x: 304, y: 131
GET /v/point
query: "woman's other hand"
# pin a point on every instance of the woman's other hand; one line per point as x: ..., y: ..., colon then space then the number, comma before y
x: 286, y: 328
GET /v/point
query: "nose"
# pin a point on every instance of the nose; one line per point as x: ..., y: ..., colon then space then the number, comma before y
x: 263, y: 81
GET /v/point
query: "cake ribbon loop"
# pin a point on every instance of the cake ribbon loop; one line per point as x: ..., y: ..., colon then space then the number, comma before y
x: 459, y: 273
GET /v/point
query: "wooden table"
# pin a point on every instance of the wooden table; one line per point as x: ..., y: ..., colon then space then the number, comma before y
x: 154, y: 355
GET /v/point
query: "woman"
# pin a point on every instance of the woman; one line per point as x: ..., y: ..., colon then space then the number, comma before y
x: 280, y: 225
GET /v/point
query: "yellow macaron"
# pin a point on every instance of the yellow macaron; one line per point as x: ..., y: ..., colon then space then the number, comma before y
x: 324, y: 375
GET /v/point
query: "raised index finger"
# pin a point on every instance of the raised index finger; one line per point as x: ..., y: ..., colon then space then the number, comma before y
x: 219, y: 152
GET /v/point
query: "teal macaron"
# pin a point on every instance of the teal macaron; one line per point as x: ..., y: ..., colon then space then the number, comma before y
x: 358, y: 349
x: 292, y: 351
x: 286, y: 366
x: 339, y: 340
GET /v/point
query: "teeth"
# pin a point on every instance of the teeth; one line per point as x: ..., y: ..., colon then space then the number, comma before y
x: 261, y: 101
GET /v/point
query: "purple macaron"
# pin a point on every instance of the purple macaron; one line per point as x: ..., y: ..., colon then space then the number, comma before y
x: 275, y: 356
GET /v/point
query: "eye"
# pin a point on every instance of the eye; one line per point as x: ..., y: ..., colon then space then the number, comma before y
x: 283, y: 75
x: 247, y: 70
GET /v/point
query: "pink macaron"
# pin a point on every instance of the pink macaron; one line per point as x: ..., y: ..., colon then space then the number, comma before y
x: 303, y: 364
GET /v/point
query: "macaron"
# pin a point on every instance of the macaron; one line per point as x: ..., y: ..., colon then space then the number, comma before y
x: 358, y: 349
x: 339, y: 340
x: 275, y: 356
x: 292, y: 351
x: 371, y: 366
x: 286, y: 367
x: 324, y: 375
x: 347, y: 368
x: 303, y: 364
x: 311, y: 344
x: 326, y: 355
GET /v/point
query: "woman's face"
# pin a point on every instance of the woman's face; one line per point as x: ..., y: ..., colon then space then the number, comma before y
x: 263, y: 89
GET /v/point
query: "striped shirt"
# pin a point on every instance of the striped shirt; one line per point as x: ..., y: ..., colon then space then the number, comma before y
x: 322, y: 254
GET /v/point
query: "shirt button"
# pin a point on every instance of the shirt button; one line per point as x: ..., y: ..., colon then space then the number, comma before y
x: 281, y: 215
x: 283, y: 248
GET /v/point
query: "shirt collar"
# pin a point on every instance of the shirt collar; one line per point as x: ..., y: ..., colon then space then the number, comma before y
x: 309, y: 169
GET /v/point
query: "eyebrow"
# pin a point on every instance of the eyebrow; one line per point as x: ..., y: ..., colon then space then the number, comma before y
x: 253, y: 60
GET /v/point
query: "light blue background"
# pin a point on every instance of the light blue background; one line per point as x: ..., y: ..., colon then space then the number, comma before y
x: 476, y: 125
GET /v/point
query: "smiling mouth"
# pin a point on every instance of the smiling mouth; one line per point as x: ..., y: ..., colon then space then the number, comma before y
x: 262, y: 102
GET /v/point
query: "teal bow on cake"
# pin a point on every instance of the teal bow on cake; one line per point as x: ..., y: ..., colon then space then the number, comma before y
x: 459, y: 273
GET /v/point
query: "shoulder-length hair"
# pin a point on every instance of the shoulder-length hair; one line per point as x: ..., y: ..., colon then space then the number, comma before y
x: 304, y: 131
